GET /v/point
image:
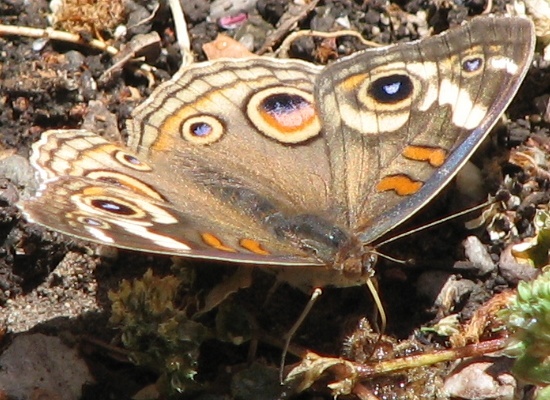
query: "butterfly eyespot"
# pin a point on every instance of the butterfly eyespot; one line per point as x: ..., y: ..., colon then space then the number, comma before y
x: 126, y: 181
x: 391, y: 89
x: 131, y: 161
x: 284, y: 104
x: 285, y: 114
x: 113, y: 207
x: 203, y: 129
x: 95, y: 223
x: 381, y: 100
x: 472, y: 65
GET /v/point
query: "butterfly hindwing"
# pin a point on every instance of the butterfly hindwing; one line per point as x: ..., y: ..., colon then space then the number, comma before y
x: 99, y: 191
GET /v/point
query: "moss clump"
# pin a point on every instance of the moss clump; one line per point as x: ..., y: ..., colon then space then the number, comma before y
x: 528, y: 317
x: 157, y: 330
x: 91, y: 16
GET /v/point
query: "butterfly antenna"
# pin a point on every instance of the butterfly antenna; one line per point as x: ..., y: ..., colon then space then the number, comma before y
x: 382, y: 313
x: 317, y: 292
x: 432, y: 224
x: 390, y: 258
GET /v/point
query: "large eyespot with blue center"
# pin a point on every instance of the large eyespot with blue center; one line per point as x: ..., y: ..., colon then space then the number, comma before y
x: 285, y: 114
x: 104, y: 203
x: 114, y: 207
x: 387, y: 90
x: 391, y: 89
x: 381, y: 100
x: 202, y: 129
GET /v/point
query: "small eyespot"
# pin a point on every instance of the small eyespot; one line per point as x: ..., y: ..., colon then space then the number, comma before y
x: 110, y: 180
x: 131, y: 161
x: 473, y: 64
x: 203, y: 129
x: 391, y: 89
x: 121, y: 180
x: 95, y: 223
x: 112, y: 207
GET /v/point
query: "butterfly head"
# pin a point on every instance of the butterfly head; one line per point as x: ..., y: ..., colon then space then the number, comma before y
x: 356, y: 261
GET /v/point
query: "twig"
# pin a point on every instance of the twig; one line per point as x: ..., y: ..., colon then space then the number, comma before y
x: 181, y: 33
x: 368, y: 370
x: 488, y: 7
x: 148, y: 19
x: 295, y: 13
x: 130, y: 51
x: 52, y: 34
x: 285, y: 46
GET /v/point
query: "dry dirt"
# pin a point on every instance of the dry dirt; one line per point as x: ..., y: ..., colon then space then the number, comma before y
x: 58, y: 286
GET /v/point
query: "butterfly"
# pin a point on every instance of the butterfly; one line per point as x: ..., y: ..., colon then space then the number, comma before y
x: 282, y: 162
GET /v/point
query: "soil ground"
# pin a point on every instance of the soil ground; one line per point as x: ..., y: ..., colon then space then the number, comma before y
x: 59, y: 286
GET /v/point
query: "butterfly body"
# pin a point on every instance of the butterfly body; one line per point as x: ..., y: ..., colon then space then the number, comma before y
x: 281, y: 162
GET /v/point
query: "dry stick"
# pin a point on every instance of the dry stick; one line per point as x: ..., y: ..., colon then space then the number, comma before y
x: 147, y: 19
x: 285, y: 46
x: 129, y: 52
x: 52, y: 34
x: 62, y: 36
x: 488, y: 7
x: 115, y: 352
x: 181, y: 34
x: 289, y: 21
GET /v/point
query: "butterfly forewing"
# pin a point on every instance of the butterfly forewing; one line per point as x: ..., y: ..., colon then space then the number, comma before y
x: 412, y: 114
